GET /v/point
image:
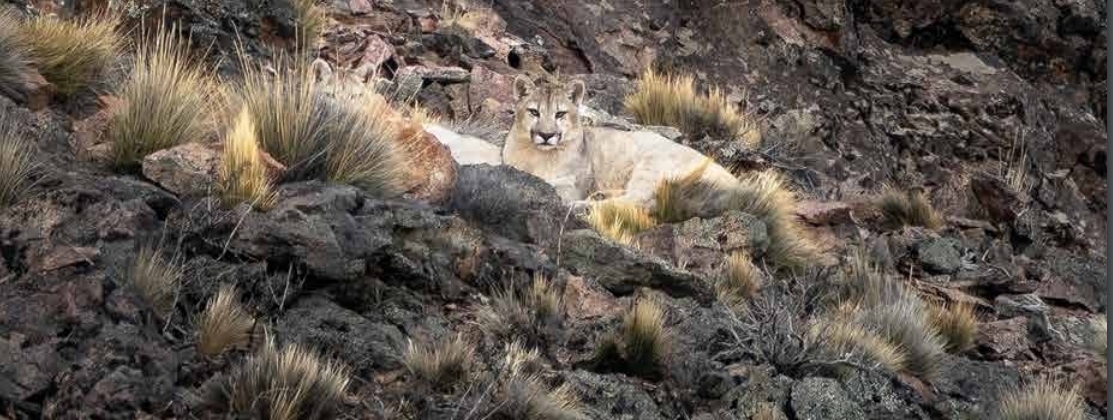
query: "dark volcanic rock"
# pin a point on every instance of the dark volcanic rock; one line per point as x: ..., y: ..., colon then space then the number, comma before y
x: 364, y: 345
x: 823, y: 398
x: 512, y: 203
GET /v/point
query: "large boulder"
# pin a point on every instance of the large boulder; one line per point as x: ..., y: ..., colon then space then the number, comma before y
x: 512, y: 203
x: 622, y: 270
x: 364, y: 345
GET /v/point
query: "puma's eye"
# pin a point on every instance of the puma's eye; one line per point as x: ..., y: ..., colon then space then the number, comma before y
x: 534, y: 113
x: 561, y: 114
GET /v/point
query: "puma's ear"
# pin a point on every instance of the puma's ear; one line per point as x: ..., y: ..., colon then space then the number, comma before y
x: 576, y: 90
x: 522, y: 86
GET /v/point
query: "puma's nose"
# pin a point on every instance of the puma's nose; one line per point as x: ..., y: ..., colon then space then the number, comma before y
x: 546, y: 136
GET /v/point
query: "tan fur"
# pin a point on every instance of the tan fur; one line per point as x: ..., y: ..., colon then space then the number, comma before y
x: 582, y: 161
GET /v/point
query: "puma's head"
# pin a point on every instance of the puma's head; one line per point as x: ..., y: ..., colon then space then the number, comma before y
x: 546, y: 112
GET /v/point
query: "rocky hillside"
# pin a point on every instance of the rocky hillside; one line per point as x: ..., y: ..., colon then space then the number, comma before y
x: 948, y: 157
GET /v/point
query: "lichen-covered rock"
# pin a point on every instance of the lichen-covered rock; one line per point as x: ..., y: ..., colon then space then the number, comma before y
x: 823, y: 399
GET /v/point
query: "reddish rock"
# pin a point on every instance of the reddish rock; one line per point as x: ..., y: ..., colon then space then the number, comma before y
x: 996, y: 197
x: 825, y: 213
x: 38, y: 91
x: 583, y: 300
x: 186, y: 170
x: 375, y: 52
x: 1005, y: 339
x: 428, y: 24
x: 430, y: 169
x: 89, y: 134
x: 360, y: 7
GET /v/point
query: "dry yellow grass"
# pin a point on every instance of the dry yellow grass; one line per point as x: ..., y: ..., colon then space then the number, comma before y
x: 672, y: 100
x: 644, y: 340
x: 292, y: 383
x: 619, y: 220
x: 167, y: 100
x: 156, y: 277
x: 765, y: 196
x: 443, y: 365
x: 682, y: 198
x: 739, y: 281
x: 310, y: 20
x: 957, y: 325
x: 843, y: 337
x: 224, y: 323
x: 1042, y: 400
x: 74, y: 55
x: 243, y: 177
x: 527, y: 315
x: 15, y: 66
x: 16, y: 162
x: 524, y: 395
x: 905, y: 324
x: 901, y: 208
x: 323, y: 132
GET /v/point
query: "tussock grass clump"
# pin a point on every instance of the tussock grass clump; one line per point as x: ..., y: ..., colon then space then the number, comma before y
x: 619, y: 220
x: 167, y: 100
x: 319, y: 135
x: 363, y: 152
x: 739, y: 281
x: 531, y: 314
x: 442, y: 365
x: 1098, y: 335
x: 907, y: 208
x: 884, y: 307
x: 16, y: 163
x: 290, y: 114
x: 957, y: 325
x: 672, y: 100
x: 642, y: 344
x: 765, y: 196
x: 843, y: 337
x: 156, y: 277
x: 74, y: 55
x: 905, y: 323
x: 524, y: 395
x: 15, y: 66
x: 1042, y: 400
x: 224, y: 323
x: 292, y: 383
x: 243, y: 177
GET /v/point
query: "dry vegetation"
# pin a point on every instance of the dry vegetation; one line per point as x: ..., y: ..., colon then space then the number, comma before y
x: 156, y: 277
x: 907, y: 208
x: 224, y: 323
x: 74, y: 55
x: 765, y: 196
x: 1042, y: 400
x: 321, y: 136
x: 242, y: 175
x: 310, y: 20
x: 768, y: 411
x: 619, y: 220
x: 442, y: 365
x: 15, y: 65
x: 524, y: 395
x: 167, y: 99
x: 672, y: 100
x: 739, y: 281
x: 16, y: 162
x: 292, y: 383
x: 641, y: 346
x: 532, y: 314
x: 883, y: 308
x: 957, y: 325
x: 842, y: 337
